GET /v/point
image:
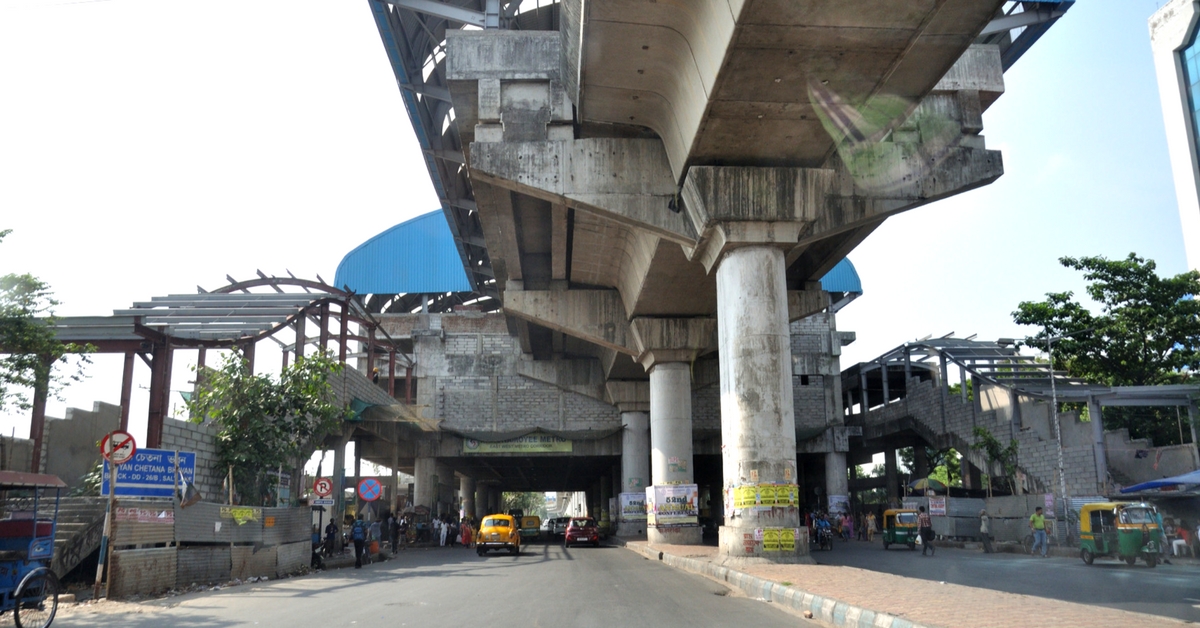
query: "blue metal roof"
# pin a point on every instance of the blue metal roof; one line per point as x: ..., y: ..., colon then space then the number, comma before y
x: 842, y: 278
x: 414, y: 257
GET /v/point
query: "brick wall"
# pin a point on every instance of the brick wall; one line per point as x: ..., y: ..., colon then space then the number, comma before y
x: 1037, y: 450
x: 816, y: 381
x: 202, y: 439
x: 468, y: 378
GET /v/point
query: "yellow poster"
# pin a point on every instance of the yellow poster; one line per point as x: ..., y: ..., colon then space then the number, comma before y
x: 787, y: 540
x: 793, y: 495
x: 771, y: 539
x: 766, y: 495
x: 241, y: 514
x: 745, y: 496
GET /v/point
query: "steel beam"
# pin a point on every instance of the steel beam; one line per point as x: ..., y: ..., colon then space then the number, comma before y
x: 445, y: 11
x: 1023, y: 19
x: 127, y: 386
x: 37, y: 423
x: 159, y: 382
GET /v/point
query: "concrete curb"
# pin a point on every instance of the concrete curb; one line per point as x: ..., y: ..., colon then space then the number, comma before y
x: 823, y: 608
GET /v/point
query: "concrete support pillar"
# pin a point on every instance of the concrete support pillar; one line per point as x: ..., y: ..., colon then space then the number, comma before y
x: 633, y: 400
x: 425, y: 483
x: 466, y: 488
x: 446, y: 488
x: 890, y: 475
x: 837, y: 484
x: 971, y: 476
x: 671, y: 442
x: 1095, y: 415
x: 920, y: 461
x: 358, y: 503
x: 635, y: 452
x: 758, y: 430
x: 606, y: 515
x: 339, y: 479
x: 481, y: 501
x: 494, y: 499
x: 1191, y: 412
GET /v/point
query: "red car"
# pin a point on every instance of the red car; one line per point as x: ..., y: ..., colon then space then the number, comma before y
x: 582, y: 530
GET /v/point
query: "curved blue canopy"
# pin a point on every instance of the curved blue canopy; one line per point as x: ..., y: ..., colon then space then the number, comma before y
x: 1186, y: 478
x: 842, y: 278
x: 414, y: 257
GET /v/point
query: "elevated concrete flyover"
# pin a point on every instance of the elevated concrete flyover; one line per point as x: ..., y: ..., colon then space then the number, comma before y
x: 657, y: 184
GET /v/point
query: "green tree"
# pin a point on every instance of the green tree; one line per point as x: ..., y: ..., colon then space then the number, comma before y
x: 532, y: 504
x: 28, y: 345
x: 266, y: 423
x: 944, y: 465
x: 1146, y: 332
x: 997, y: 452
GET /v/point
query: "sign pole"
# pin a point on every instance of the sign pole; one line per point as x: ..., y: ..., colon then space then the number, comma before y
x: 112, y: 496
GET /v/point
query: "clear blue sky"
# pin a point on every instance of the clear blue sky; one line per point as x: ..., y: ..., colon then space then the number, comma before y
x: 148, y: 146
x: 1086, y: 173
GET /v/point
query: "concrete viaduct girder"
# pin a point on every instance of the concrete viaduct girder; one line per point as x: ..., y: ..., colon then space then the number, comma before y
x: 653, y: 170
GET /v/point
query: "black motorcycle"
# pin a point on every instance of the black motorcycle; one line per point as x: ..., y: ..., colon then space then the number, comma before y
x: 825, y: 538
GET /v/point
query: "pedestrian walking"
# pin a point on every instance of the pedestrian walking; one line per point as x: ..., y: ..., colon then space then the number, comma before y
x: 358, y: 534
x: 985, y: 531
x: 1037, y: 525
x: 443, y: 530
x: 870, y: 526
x: 331, y: 532
x: 925, y: 529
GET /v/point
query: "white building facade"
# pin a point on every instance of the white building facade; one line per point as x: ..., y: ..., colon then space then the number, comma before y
x: 1173, y: 30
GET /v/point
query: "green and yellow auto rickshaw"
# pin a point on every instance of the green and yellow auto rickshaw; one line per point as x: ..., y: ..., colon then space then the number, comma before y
x: 900, y: 527
x: 1121, y: 530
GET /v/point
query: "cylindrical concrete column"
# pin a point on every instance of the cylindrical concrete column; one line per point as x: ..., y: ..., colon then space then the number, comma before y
x: 671, y: 423
x: 920, y: 461
x: 482, y: 509
x: 339, y: 486
x: 837, y: 484
x: 446, y: 489
x: 606, y: 516
x: 425, y: 483
x: 466, y: 489
x: 635, y: 466
x: 758, y: 429
x: 890, y: 476
x: 671, y: 441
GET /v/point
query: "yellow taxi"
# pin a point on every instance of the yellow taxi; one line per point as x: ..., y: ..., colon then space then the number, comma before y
x: 498, y: 532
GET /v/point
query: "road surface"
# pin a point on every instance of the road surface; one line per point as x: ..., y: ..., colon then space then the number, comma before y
x: 544, y: 586
x: 1167, y: 590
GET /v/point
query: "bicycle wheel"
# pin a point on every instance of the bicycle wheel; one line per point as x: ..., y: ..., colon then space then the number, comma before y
x: 1028, y: 543
x: 36, y: 599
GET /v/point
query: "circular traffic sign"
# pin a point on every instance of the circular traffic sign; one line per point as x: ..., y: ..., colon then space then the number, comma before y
x: 369, y: 489
x: 118, y: 447
x: 323, y: 487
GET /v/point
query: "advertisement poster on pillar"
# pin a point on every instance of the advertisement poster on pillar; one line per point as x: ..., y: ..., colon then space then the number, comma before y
x: 673, y: 505
x: 633, y: 506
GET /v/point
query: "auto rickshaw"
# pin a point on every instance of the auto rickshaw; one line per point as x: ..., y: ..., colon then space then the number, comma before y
x: 900, y: 527
x: 1122, y: 530
x: 530, y: 527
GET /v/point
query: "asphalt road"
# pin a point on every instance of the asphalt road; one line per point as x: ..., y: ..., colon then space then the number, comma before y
x: 1167, y: 590
x: 545, y: 586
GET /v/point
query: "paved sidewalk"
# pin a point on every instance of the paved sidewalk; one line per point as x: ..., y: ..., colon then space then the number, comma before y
x: 847, y: 596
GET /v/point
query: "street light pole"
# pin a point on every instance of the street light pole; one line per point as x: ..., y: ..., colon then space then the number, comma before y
x: 1062, y: 476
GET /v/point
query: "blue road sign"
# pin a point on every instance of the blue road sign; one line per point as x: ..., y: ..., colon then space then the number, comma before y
x: 151, y: 473
x: 369, y: 489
